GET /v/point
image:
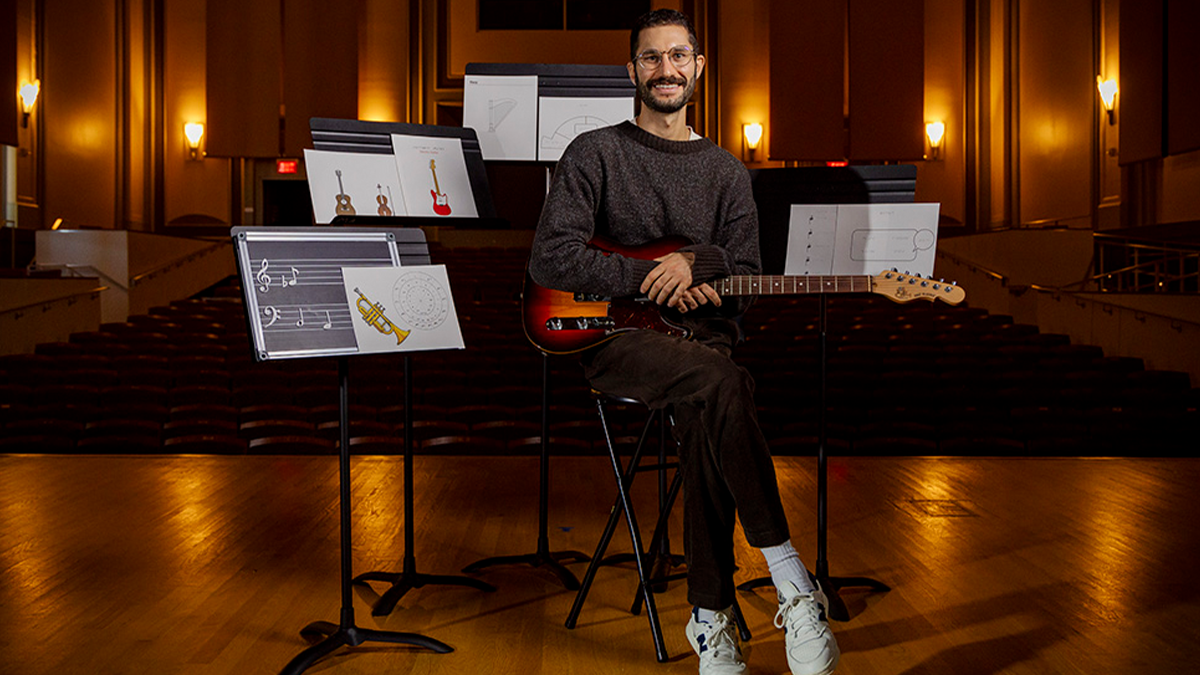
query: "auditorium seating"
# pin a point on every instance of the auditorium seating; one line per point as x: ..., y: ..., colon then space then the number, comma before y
x: 911, y: 379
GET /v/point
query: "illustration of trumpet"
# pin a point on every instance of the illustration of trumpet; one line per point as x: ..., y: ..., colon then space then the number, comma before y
x: 373, y: 315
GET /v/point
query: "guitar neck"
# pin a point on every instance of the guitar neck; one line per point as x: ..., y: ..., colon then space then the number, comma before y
x: 792, y: 285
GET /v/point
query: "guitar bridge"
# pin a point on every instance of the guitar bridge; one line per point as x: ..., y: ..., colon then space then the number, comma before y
x: 580, y: 323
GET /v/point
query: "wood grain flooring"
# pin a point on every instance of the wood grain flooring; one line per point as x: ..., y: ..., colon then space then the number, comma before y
x: 193, y: 565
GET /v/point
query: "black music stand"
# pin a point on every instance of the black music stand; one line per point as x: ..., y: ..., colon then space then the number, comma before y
x: 309, y: 253
x: 409, y: 577
x: 775, y: 190
x: 831, y: 585
x: 542, y: 555
x: 345, y: 633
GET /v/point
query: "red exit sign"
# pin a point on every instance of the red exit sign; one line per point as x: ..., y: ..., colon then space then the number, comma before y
x: 286, y: 165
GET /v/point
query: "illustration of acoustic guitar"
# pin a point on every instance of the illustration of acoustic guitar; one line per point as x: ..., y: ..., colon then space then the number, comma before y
x: 343, y: 208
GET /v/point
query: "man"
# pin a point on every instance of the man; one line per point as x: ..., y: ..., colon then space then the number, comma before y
x: 633, y: 183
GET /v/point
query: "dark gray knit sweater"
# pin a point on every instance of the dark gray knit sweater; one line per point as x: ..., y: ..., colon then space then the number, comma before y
x: 633, y: 187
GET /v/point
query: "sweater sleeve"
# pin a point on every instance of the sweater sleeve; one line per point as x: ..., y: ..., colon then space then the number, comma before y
x: 560, y: 258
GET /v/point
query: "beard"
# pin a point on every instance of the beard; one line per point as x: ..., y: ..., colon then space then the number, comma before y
x: 645, y: 91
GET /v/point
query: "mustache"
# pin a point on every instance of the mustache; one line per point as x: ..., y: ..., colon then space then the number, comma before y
x: 667, y: 80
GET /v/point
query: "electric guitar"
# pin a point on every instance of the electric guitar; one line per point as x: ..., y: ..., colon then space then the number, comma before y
x: 560, y: 322
x: 441, y: 205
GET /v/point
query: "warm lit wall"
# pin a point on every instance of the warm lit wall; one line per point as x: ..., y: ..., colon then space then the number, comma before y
x: 745, y: 76
x: 194, y: 190
x: 943, y: 180
x: 383, y: 61
x: 79, y: 112
x: 1057, y: 91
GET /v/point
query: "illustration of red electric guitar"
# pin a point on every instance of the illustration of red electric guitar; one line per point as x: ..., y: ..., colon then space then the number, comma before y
x: 441, y: 205
x: 343, y: 208
x: 559, y: 322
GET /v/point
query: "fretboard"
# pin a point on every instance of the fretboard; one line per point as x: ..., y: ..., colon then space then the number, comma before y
x: 792, y: 285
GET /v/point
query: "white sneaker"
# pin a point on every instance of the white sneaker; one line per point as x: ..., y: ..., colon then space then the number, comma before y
x: 716, y: 644
x: 811, y: 648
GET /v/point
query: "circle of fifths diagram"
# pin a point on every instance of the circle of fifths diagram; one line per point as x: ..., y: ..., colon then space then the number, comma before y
x: 420, y: 301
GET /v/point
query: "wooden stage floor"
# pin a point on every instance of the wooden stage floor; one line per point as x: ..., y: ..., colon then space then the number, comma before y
x: 191, y: 565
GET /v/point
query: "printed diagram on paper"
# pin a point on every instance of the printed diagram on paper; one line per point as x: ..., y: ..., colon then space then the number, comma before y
x: 502, y: 109
x: 402, y: 309
x: 862, y: 238
x: 560, y: 120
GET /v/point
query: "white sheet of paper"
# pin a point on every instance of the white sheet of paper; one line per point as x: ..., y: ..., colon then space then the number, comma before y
x: 560, y: 120
x: 502, y: 109
x: 865, y: 238
x: 366, y: 185
x: 433, y: 173
x: 402, y: 309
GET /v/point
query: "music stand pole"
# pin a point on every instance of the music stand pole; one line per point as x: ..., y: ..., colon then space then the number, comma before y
x: 837, y: 608
x: 410, y: 578
x: 346, y: 633
x: 543, y: 555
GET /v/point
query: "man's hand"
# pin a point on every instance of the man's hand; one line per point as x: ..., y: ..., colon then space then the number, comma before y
x: 670, y: 279
x: 694, y: 297
x: 670, y: 283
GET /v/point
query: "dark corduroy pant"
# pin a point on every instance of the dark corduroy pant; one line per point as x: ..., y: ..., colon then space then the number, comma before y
x: 726, y: 464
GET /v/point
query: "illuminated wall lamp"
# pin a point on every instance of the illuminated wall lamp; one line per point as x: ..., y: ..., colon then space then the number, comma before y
x: 1108, y: 97
x: 29, y: 93
x: 935, y: 132
x: 752, y: 133
x: 193, y: 132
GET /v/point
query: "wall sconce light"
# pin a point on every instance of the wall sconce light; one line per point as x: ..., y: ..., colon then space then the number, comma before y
x: 1108, y: 96
x: 29, y: 93
x: 752, y: 133
x: 935, y: 132
x: 193, y: 132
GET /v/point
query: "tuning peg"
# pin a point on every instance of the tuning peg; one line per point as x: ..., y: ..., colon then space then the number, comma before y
x: 941, y: 280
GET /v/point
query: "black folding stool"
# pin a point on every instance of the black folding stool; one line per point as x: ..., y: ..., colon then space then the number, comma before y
x: 657, y: 555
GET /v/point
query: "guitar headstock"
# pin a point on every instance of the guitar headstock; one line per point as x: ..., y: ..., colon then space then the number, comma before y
x: 903, y: 287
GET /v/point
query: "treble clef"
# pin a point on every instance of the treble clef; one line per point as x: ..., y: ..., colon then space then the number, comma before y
x: 262, y: 277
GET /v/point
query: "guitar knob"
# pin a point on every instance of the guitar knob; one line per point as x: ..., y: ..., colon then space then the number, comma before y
x: 924, y: 284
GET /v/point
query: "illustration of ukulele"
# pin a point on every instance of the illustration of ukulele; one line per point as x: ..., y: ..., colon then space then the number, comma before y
x: 441, y: 205
x: 343, y: 207
x: 384, y: 209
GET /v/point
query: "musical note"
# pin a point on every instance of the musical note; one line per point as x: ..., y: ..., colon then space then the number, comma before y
x: 263, y: 278
x: 283, y: 280
x: 301, y: 321
x: 273, y: 314
x: 328, y: 321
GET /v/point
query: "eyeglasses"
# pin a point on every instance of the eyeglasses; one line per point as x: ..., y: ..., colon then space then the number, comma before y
x: 650, y: 59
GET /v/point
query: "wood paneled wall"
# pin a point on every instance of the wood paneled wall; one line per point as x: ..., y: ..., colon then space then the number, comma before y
x: 869, y: 52
x: 10, y: 115
x: 808, y: 47
x: 887, y: 80
x: 244, y: 81
x: 78, y: 106
x: 1183, y: 76
x: 1139, y: 103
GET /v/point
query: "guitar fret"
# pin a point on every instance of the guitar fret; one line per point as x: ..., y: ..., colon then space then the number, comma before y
x: 773, y: 284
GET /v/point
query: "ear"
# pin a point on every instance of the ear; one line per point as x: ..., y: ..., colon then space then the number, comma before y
x: 699, y: 65
x: 630, y: 67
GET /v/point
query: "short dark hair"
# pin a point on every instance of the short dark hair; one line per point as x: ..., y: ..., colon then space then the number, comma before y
x: 661, y: 17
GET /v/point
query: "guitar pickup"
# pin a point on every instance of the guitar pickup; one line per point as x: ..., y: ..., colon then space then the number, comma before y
x: 580, y: 323
x: 591, y: 297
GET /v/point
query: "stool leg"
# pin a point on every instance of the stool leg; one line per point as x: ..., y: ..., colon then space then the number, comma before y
x: 624, y: 479
x: 660, y: 647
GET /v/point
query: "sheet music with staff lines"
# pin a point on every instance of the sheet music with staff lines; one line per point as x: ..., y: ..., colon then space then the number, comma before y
x: 292, y: 277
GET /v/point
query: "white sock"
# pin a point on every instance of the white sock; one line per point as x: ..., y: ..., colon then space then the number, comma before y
x: 707, y: 615
x: 784, y: 565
